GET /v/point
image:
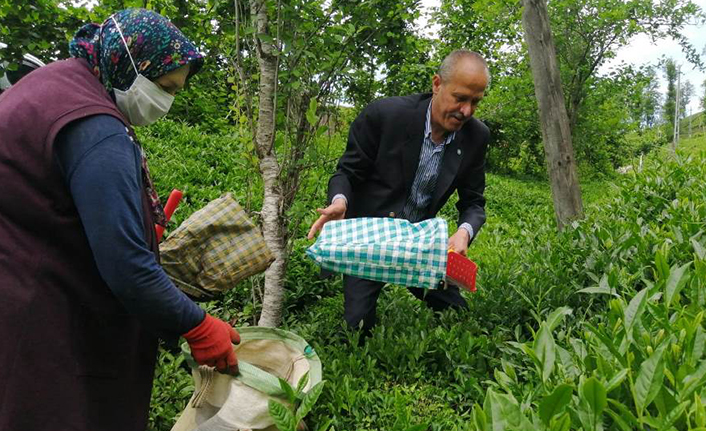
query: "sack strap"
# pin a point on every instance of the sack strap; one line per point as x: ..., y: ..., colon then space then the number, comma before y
x: 259, y: 379
x: 249, y: 374
x: 206, y: 373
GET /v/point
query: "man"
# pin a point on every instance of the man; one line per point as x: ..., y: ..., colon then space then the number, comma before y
x: 405, y: 156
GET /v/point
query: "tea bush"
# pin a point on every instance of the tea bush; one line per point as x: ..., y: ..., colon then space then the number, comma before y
x: 639, y: 364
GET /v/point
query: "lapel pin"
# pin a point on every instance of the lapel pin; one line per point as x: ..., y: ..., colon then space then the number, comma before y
x: 458, y: 151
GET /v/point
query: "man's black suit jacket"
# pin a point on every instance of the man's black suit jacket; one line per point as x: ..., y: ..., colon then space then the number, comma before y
x: 382, y: 155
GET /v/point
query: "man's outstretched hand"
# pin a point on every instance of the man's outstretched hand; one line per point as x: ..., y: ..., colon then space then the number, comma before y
x: 335, y: 211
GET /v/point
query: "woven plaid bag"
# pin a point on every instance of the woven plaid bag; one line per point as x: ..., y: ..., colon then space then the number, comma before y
x: 214, y: 249
x: 385, y: 249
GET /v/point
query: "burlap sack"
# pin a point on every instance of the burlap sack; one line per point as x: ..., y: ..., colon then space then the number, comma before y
x: 225, y: 403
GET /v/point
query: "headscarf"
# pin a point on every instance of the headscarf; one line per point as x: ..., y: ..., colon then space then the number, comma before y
x: 156, y: 46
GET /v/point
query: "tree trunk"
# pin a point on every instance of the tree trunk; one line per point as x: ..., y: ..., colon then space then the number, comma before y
x: 272, y: 221
x: 556, y: 132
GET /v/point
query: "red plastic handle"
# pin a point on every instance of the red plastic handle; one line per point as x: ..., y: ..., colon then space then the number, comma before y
x: 173, y: 201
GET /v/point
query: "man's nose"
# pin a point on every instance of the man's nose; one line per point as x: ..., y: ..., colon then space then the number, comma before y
x: 467, y: 110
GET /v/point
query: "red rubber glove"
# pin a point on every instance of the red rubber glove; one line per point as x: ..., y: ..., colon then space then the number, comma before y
x: 211, y: 344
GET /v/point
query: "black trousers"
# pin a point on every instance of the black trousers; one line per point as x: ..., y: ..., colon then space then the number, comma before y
x: 361, y: 296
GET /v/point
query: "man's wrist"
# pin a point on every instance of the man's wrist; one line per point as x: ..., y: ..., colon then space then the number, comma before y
x: 340, y: 196
x: 468, y: 228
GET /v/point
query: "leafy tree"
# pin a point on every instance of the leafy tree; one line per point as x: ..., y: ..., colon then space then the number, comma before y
x: 590, y: 32
x: 390, y: 61
x: 686, y: 92
x: 40, y: 27
x: 645, y: 102
x: 491, y: 28
x: 611, y: 112
x: 670, y: 102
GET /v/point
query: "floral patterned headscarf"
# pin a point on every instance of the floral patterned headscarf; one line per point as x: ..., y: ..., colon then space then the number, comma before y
x: 156, y: 46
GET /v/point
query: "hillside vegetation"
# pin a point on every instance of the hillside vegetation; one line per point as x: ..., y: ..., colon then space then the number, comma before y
x: 599, y: 326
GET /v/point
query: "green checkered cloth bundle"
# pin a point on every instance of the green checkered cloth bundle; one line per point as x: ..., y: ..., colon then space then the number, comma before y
x: 385, y: 249
x: 214, y: 249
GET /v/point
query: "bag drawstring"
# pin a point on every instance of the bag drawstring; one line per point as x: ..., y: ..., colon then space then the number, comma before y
x: 206, y: 374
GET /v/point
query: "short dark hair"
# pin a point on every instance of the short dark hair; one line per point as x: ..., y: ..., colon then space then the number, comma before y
x: 449, y: 63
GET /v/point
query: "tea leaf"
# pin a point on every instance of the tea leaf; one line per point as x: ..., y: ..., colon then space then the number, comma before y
x: 608, y: 343
x: 602, y: 288
x: 594, y: 392
x: 310, y: 400
x: 303, y: 382
x: 661, y: 265
x: 699, y: 343
x: 557, y: 316
x: 691, y: 382
x: 625, y: 413
x: 665, y: 401
x: 673, y: 416
x: 618, y: 420
x: 650, y: 378
x: 634, y: 310
x: 586, y: 415
x: 545, y: 350
x: 675, y: 283
x: 283, y: 418
x: 617, y: 380
x: 479, y: 418
x: 555, y: 402
x: 699, y: 411
x: 311, y: 116
x: 509, y: 369
x: 562, y: 423
x: 503, y: 412
x: 288, y: 391
x: 698, y: 249
x: 599, y: 290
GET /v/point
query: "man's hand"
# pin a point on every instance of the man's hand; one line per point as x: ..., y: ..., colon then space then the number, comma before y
x: 459, y: 241
x: 335, y: 211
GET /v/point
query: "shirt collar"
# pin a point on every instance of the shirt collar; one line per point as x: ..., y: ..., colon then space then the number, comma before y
x: 427, y: 128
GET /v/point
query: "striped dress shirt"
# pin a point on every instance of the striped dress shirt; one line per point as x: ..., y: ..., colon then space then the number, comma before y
x: 427, y: 173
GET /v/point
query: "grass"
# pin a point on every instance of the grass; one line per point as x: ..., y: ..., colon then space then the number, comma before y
x: 694, y: 144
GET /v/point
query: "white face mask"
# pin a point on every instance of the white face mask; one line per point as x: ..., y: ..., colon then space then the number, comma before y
x: 144, y: 102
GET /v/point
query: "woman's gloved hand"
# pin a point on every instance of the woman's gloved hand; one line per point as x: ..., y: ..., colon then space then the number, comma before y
x: 211, y: 343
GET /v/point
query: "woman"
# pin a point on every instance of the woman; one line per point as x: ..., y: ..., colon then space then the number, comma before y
x: 81, y: 292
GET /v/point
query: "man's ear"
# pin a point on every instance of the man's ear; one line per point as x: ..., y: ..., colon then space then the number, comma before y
x: 436, y: 83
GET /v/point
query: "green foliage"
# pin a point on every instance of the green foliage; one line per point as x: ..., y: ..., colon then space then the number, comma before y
x: 283, y: 417
x: 670, y: 102
x: 172, y: 388
x: 301, y: 402
x: 641, y: 363
x: 438, y: 371
x: 40, y: 27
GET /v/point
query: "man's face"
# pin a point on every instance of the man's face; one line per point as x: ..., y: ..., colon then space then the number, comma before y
x: 456, y: 99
